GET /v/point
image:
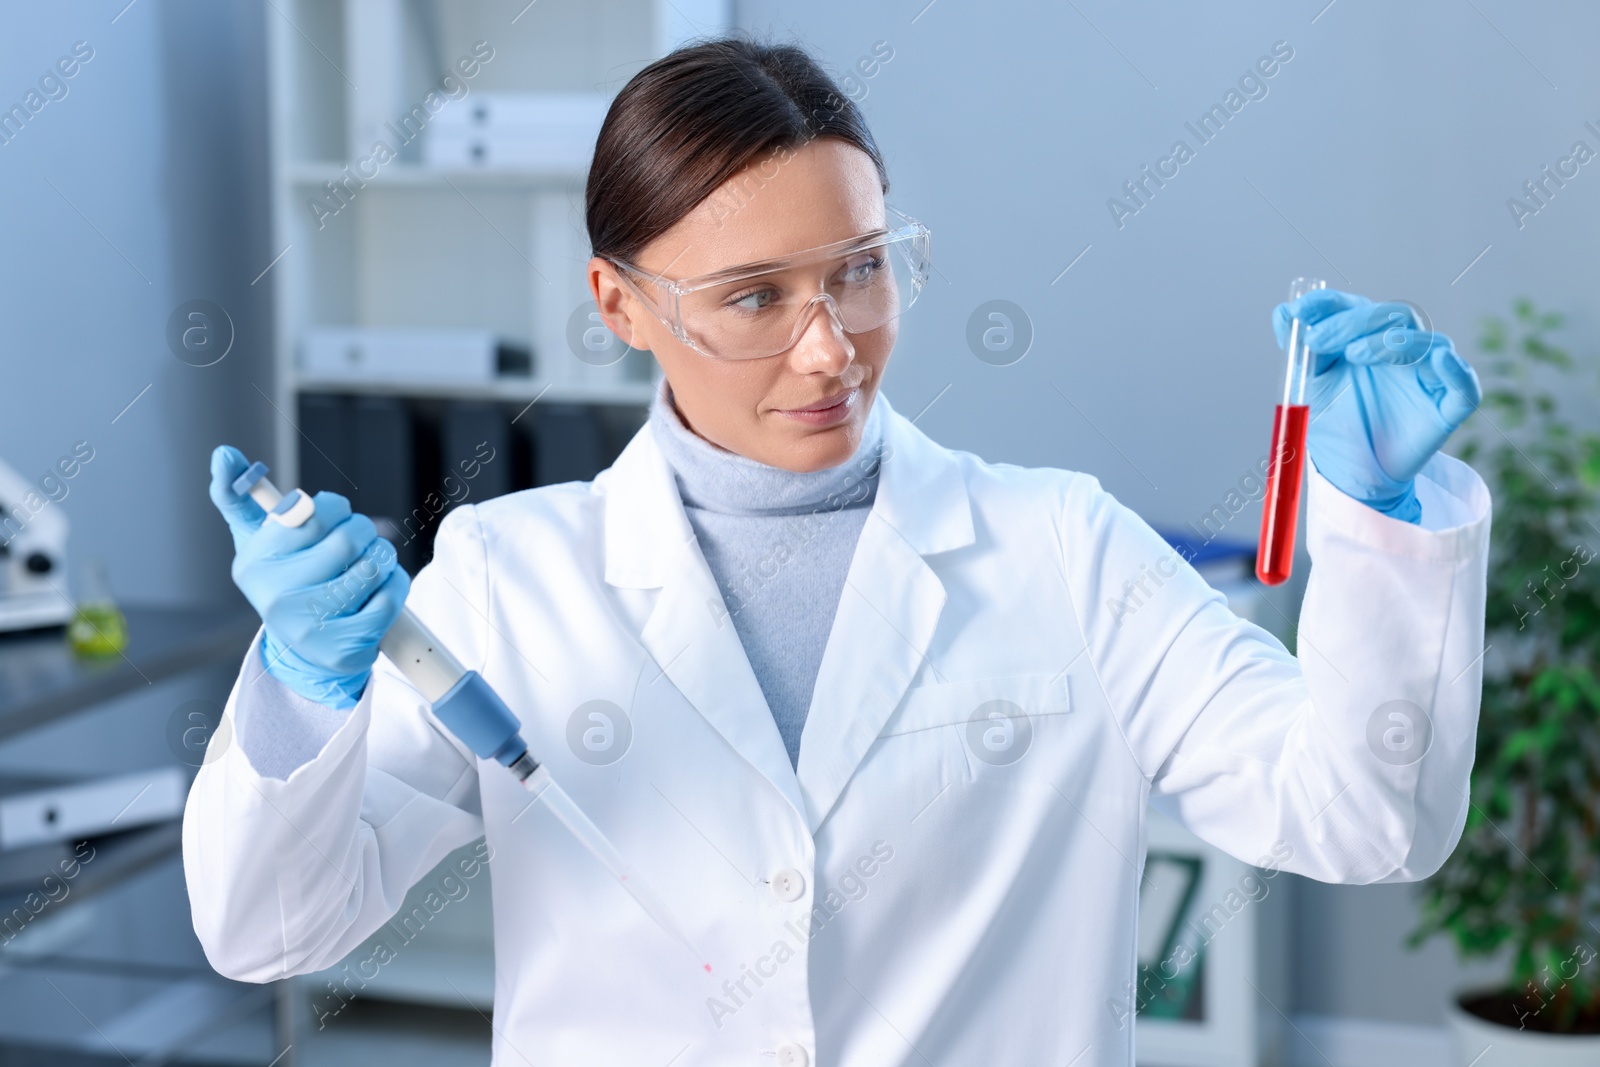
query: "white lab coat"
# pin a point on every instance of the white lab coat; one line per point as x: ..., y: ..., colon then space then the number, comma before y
x: 948, y: 907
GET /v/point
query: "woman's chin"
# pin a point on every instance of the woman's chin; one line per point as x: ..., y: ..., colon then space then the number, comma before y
x: 820, y: 449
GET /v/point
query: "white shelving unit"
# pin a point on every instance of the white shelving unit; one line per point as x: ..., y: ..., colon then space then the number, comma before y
x: 417, y: 247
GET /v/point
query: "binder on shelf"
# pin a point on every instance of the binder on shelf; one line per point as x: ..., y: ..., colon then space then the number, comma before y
x: 568, y: 444
x: 517, y: 131
x: 327, y: 453
x: 1215, y: 559
x: 385, y: 471
x: 358, y: 353
x: 475, y: 451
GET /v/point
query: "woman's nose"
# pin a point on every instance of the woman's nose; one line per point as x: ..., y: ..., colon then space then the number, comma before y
x: 823, y: 346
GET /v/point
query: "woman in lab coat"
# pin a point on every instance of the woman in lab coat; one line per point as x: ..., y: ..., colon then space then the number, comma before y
x: 878, y: 720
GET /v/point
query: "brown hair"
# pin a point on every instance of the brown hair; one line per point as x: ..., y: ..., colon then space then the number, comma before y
x: 693, y: 119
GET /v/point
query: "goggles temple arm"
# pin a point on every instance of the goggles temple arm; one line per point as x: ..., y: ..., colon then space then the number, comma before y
x: 626, y: 271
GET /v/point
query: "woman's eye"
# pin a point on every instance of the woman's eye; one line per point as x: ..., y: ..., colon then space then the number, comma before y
x: 753, y: 301
x: 858, y: 273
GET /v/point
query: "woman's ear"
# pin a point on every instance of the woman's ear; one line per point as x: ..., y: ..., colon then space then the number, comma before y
x: 619, y: 308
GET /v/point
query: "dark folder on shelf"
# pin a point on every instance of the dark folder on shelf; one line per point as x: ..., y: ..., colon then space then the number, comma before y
x: 568, y: 444
x: 385, y: 472
x: 475, y: 447
x: 327, y: 461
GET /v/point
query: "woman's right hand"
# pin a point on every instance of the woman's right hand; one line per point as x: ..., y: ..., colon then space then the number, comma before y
x: 327, y: 591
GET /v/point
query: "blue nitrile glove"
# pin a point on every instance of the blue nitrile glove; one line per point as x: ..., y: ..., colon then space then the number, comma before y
x: 326, y: 591
x: 1384, y: 396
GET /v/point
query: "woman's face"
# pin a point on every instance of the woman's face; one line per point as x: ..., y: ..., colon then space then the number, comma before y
x: 767, y: 409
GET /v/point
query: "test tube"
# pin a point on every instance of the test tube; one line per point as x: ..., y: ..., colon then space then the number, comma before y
x: 1286, y: 464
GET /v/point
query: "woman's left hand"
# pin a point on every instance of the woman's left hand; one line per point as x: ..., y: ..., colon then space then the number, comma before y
x: 1385, y: 394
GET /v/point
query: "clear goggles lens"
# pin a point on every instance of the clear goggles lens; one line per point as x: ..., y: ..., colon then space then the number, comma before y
x: 761, y: 310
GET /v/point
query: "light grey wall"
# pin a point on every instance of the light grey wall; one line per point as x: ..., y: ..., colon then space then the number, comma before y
x: 1381, y: 159
x: 142, y: 188
x: 1348, y: 959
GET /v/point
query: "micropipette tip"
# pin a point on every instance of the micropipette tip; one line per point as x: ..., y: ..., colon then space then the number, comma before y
x: 562, y: 806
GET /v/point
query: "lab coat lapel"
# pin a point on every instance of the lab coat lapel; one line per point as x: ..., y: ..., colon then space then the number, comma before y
x: 887, y: 615
x: 650, y: 544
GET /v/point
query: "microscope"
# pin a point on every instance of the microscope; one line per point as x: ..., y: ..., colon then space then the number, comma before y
x: 33, y: 556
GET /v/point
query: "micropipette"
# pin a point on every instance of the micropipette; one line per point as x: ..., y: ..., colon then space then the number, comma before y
x: 1281, y: 507
x: 473, y: 711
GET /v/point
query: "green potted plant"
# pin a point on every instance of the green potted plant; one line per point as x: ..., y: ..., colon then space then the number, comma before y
x: 1525, y: 879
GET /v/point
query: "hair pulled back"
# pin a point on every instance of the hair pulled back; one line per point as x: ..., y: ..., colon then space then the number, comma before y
x: 691, y: 120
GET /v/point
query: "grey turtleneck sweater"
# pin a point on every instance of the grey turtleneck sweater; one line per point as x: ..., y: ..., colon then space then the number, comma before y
x: 779, y: 544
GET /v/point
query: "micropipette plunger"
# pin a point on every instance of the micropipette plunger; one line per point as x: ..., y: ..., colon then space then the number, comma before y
x: 473, y: 711
x: 1281, y: 507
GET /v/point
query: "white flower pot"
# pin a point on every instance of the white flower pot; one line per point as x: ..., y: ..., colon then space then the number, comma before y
x: 1480, y: 1043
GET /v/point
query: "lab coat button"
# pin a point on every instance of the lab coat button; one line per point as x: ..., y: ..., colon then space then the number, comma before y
x: 789, y: 885
x: 792, y: 1056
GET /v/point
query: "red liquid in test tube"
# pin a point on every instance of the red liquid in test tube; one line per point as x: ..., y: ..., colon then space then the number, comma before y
x: 1281, y: 508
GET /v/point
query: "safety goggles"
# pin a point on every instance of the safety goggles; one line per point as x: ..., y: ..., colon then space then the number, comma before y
x: 757, y: 310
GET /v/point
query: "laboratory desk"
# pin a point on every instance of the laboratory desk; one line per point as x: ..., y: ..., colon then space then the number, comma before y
x: 42, y: 680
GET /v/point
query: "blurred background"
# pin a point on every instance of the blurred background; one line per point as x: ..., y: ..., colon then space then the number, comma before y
x: 197, y: 246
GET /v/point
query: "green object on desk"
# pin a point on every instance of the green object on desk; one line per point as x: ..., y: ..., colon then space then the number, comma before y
x: 98, y: 630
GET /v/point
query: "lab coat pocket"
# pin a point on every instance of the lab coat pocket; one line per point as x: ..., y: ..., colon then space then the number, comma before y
x: 987, y: 725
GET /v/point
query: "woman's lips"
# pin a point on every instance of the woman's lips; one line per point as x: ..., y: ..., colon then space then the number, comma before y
x: 826, y: 411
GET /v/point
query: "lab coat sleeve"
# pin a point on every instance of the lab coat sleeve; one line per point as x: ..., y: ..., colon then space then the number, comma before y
x: 286, y: 875
x: 1350, y: 763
